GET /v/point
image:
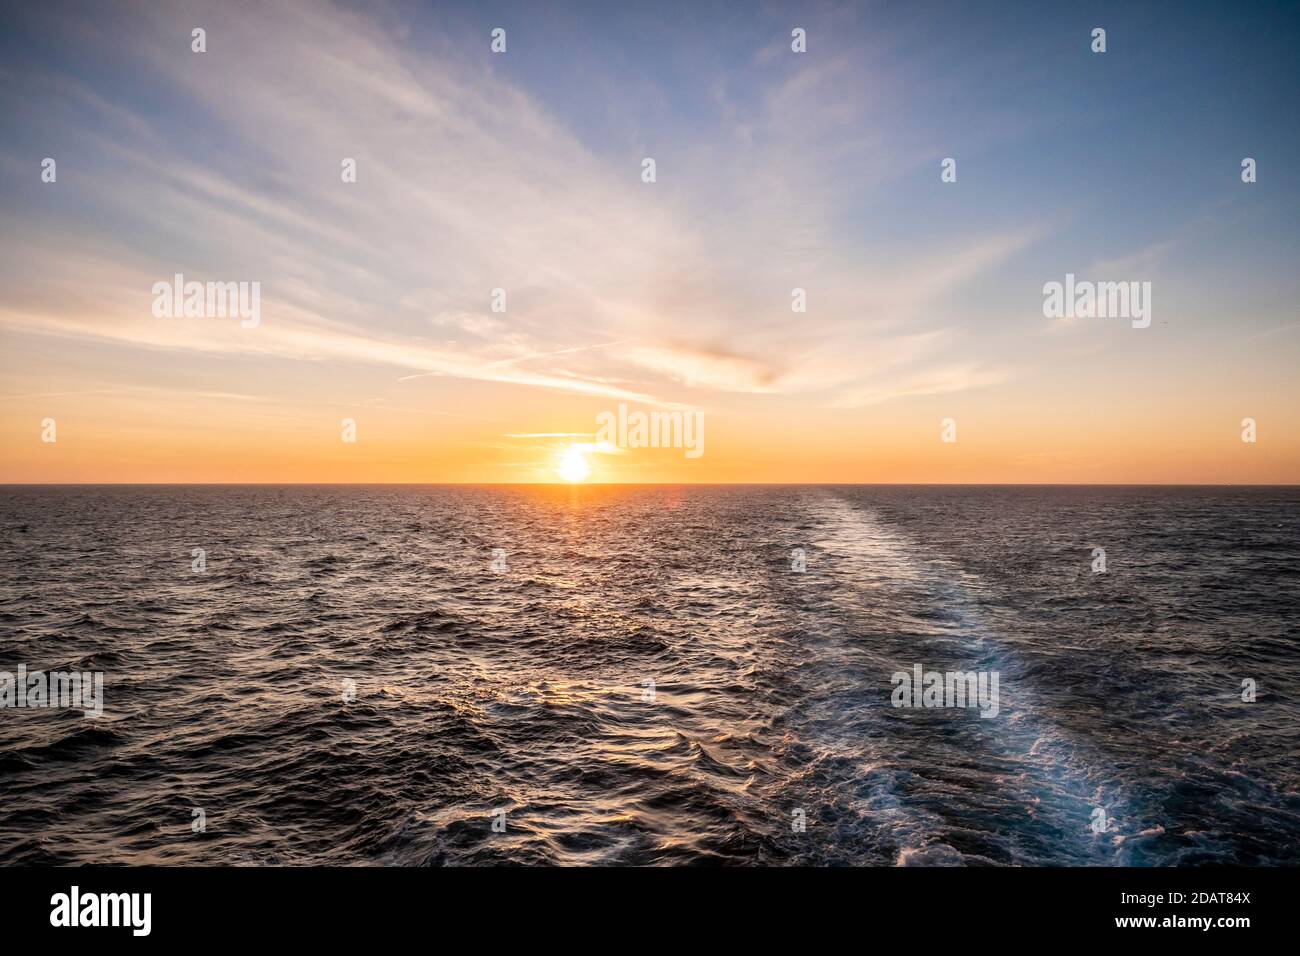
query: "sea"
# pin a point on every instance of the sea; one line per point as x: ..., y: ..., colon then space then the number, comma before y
x: 652, y: 675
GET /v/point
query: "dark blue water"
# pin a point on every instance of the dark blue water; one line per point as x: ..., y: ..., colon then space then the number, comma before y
x: 525, y: 690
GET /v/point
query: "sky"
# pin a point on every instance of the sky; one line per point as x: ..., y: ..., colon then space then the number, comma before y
x: 774, y: 170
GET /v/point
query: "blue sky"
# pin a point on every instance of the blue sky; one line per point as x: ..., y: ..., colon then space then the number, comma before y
x: 775, y: 170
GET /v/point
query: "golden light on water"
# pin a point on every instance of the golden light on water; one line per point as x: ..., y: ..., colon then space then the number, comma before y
x: 573, y: 465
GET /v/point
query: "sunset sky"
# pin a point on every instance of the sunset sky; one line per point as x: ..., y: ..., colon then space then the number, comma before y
x: 522, y: 171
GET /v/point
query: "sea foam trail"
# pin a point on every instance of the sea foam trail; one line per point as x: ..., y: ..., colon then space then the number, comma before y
x: 921, y: 609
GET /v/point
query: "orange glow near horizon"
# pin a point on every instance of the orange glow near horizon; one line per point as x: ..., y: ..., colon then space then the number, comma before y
x: 129, y: 438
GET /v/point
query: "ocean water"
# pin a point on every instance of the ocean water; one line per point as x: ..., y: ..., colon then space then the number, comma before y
x: 526, y: 690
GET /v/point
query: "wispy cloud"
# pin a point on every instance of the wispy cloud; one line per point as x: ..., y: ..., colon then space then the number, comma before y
x: 467, y: 184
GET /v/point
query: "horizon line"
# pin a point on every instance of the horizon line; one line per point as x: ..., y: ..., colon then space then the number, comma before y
x: 642, y: 484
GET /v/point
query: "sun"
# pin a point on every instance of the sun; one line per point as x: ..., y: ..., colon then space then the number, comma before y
x: 573, y: 465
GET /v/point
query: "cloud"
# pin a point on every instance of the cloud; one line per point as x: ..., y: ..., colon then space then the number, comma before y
x: 936, y: 381
x: 663, y: 293
x: 702, y: 368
